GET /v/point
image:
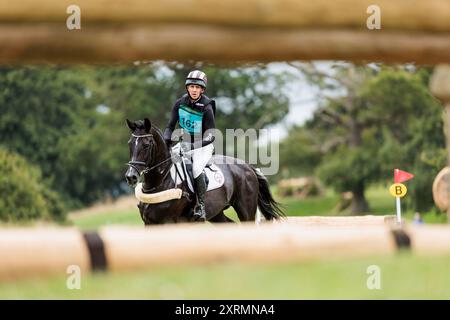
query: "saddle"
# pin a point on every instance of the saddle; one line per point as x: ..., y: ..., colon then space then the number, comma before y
x: 214, y: 175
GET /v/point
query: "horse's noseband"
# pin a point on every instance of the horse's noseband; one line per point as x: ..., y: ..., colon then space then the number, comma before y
x: 134, y: 165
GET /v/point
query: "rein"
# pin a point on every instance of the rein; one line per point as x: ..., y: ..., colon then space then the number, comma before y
x: 147, y: 169
x: 135, y: 163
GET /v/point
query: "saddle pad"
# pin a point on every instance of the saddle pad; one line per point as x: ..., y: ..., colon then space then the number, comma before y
x: 213, y: 172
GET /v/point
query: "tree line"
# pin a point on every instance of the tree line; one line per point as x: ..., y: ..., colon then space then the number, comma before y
x: 66, y: 125
x: 370, y: 120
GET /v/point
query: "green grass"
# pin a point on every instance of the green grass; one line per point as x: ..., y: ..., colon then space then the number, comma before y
x: 314, y: 206
x: 128, y: 217
x: 380, y: 203
x: 402, y: 277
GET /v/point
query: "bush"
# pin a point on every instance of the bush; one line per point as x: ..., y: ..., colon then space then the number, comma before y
x: 24, y: 193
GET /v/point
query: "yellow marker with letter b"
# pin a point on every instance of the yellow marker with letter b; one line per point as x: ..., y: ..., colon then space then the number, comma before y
x: 398, y: 190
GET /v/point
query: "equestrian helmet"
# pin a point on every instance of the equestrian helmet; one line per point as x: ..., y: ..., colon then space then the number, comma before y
x: 197, y: 77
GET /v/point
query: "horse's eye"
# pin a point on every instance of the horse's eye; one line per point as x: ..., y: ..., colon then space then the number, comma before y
x: 146, y: 146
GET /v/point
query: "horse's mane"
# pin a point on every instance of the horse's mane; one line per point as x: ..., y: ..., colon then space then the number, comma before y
x: 158, y: 130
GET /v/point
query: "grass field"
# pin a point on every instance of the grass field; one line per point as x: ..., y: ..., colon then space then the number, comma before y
x: 380, y: 202
x: 403, y: 276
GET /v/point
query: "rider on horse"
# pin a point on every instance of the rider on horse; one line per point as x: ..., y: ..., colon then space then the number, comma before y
x: 194, y: 112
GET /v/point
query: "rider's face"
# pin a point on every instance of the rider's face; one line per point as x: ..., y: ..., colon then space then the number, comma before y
x: 195, y: 91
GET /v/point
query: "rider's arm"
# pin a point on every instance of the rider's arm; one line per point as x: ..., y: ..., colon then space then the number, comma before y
x: 172, y: 122
x: 208, y: 119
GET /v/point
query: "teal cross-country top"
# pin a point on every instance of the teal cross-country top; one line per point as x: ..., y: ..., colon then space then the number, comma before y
x: 195, y: 117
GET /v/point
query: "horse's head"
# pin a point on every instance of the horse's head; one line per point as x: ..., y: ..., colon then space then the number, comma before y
x: 142, y: 148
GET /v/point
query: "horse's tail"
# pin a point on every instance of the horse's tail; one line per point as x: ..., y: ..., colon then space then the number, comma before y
x: 266, y: 203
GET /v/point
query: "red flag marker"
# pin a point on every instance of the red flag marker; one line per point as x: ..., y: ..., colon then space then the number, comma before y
x: 402, y: 176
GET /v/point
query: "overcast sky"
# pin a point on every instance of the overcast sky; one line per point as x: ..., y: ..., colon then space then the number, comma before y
x: 302, y: 97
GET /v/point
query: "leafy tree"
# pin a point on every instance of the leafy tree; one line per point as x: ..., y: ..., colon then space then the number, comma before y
x: 25, y: 194
x: 44, y: 108
x: 247, y: 97
x: 300, y: 152
x: 70, y: 122
x: 411, y: 130
x: 372, y: 120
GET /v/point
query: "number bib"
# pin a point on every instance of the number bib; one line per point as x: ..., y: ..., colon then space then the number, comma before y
x: 190, y: 119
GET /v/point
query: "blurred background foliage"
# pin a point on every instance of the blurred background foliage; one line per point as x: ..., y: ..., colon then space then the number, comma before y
x: 63, y: 134
x: 370, y: 120
x: 69, y: 122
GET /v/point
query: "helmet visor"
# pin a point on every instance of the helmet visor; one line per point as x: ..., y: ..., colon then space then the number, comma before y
x: 196, y: 81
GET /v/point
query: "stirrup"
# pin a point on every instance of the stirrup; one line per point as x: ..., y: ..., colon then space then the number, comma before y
x: 199, y: 214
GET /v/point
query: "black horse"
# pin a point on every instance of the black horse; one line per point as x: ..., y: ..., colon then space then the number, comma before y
x: 245, y: 188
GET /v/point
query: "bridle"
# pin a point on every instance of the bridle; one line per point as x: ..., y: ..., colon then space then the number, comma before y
x: 135, y: 163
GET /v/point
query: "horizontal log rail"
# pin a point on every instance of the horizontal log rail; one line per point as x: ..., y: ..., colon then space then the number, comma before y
x: 230, y: 31
x: 413, y: 15
x: 44, y: 251
x: 344, y: 221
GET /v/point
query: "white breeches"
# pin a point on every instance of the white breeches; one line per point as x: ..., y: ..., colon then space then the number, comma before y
x: 200, y: 158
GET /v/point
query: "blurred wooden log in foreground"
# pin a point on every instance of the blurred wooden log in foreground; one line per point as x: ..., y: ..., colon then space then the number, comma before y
x: 229, y: 31
x: 353, y: 221
x: 44, y: 251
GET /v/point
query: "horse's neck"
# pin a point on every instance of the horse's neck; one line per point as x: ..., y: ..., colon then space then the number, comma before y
x: 158, y: 176
x: 163, y: 151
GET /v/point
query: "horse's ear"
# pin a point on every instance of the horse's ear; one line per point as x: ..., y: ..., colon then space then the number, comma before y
x: 147, y: 125
x: 131, y: 125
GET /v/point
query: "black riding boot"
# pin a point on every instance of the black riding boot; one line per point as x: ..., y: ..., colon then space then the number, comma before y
x: 200, y: 190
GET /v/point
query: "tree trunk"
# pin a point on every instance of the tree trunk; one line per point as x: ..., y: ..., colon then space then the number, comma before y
x: 359, y: 203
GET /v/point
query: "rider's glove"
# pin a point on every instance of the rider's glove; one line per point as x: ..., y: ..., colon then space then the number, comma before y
x: 186, y: 146
x: 176, y: 158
